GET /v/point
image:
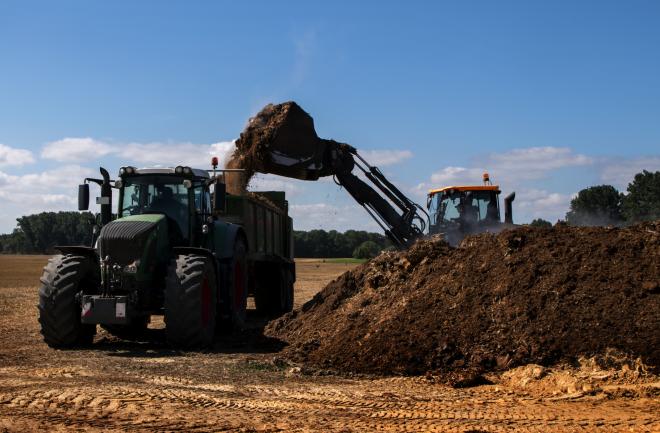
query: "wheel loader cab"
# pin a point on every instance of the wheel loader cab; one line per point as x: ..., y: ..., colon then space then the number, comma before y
x: 459, y: 210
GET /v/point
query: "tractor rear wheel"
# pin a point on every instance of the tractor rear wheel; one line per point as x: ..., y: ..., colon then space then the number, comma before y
x: 63, y: 279
x: 190, y: 301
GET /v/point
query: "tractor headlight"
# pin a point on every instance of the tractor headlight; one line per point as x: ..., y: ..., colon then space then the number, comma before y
x: 126, y: 170
x: 187, y: 170
x: 178, y: 169
x: 132, y: 268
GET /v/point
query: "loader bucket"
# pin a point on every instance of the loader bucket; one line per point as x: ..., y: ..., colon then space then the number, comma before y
x: 281, y: 140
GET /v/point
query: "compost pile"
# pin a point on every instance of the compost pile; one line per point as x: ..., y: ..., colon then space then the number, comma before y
x: 530, y: 295
x: 285, y: 122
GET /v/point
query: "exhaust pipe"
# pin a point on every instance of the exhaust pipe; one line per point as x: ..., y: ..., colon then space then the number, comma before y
x: 106, y: 197
x: 508, y: 208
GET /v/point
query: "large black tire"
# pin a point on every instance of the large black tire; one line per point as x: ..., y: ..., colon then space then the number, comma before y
x: 238, y: 284
x: 59, y: 306
x: 190, y: 301
x: 288, y: 283
x: 274, y: 294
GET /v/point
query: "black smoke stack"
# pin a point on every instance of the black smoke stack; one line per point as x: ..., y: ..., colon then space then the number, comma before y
x: 508, y: 208
x: 106, y: 197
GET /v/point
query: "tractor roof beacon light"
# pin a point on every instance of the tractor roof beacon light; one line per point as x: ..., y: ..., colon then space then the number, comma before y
x: 214, y: 164
x: 487, y: 179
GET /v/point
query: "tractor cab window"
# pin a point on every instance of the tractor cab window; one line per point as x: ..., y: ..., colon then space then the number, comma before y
x: 156, y: 194
x: 202, y: 199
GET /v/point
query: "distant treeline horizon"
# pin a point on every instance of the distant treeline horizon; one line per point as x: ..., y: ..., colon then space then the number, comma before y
x: 40, y: 233
x: 595, y: 205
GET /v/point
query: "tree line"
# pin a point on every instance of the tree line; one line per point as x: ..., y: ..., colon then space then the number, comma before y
x: 603, y: 205
x: 40, y: 233
x: 596, y: 205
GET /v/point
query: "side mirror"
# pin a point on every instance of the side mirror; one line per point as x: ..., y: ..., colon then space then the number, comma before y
x: 83, y: 197
x: 219, y: 197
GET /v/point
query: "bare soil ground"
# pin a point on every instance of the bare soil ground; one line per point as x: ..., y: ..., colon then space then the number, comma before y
x: 243, y: 385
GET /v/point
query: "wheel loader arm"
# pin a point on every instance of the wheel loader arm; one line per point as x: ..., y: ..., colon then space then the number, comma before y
x: 402, y: 226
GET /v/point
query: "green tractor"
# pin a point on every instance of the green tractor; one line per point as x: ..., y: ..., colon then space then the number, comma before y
x: 179, y: 246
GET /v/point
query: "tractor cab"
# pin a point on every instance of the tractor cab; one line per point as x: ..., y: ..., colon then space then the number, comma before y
x: 182, y: 197
x: 456, y: 211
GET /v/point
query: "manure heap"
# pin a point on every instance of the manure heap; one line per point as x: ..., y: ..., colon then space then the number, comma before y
x: 530, y: 295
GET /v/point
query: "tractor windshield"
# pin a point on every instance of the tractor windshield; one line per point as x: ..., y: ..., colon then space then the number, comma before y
x: 156, y: 194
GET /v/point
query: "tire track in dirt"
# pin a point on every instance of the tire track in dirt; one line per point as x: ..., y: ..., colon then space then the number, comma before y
x: 170, y: 403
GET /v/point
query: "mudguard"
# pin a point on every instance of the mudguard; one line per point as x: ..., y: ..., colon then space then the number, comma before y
x: 79, y: 250
x: 226, y: 247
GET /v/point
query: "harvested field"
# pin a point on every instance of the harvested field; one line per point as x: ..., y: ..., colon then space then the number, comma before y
x: 244, y: 385
x: 530, y: 295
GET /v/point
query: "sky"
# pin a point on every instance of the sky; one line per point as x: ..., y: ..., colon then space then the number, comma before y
x: 548, y: 97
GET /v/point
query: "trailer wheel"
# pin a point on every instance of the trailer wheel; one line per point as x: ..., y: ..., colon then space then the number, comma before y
x: 190, y: 301
x: 274, y: 294
x: 59, y: 309
x: 238, y: 283
x: 288, y: 307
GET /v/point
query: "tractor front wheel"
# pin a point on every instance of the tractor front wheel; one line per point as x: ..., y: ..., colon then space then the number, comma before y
x: 63, y: 279
x: 190, y: 301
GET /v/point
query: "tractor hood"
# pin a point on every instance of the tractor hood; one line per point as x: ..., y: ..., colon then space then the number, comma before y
x: 130, y: 238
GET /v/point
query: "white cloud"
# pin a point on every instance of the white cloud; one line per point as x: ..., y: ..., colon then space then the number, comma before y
x: 456, y: 176
x: 76, y: 149
x: 14, y: 157
x: 620, y: 172
x: 86, y: 149
x: 538, y: 203
x: 194, y: 155
x: 331, y: 217
x: 269, y: 182
x: 535, y: 162
x: 383, y: 158
x: 62, y: 177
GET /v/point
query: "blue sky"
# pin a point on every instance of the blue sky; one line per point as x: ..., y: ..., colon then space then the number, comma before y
x: 550, y: 97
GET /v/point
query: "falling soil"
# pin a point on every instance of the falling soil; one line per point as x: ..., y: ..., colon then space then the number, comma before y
x: 528, y: 295
x: 285, y: 123
x: 280, y: 139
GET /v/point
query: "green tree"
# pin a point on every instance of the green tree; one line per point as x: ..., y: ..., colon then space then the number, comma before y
x: 39, y: 233
x: 366, y: 250
x: 642, y: 203
x: 596, y: 205
x: 540, y: 222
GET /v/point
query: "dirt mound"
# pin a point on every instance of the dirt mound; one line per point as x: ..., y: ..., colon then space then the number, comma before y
x: 275, y: 126
x: 522, y: 296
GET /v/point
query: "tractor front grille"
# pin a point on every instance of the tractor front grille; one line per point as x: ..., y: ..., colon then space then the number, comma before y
x: 124, y: 241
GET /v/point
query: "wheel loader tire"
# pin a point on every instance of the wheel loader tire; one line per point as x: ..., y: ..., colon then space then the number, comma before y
x: 190, y: 301
x: 238, y: 283
x: 136, y: 329
x: 59, y: 306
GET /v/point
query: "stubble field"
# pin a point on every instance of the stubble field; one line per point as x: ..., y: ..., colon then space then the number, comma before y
x: 243, y: 385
